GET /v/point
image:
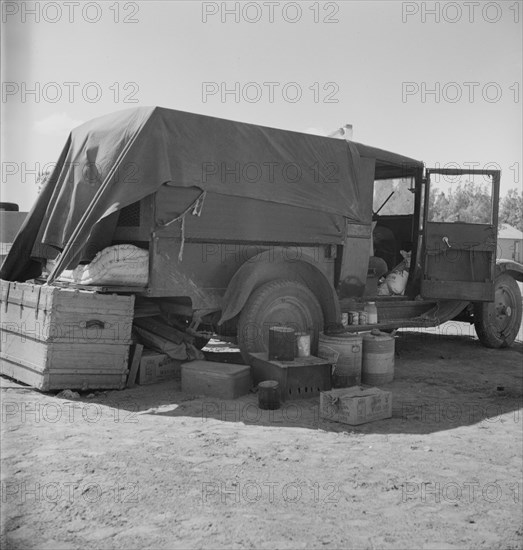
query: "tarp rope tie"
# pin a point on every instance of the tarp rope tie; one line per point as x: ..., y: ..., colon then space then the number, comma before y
x: 196, y: 207
x: 180, y: 254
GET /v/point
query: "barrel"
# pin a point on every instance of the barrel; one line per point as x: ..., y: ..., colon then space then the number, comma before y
x: 344, y: 352
x: 378, y: 358
x: 282, y: 344
x: 269, y: 395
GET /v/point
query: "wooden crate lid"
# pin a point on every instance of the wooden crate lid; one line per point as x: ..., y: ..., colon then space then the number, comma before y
x: 215, y: 369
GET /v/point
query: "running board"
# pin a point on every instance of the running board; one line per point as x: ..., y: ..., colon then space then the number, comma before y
x: 406, y: 313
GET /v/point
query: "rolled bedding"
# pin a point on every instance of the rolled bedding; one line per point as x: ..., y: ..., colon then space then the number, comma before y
x: 118, y: 265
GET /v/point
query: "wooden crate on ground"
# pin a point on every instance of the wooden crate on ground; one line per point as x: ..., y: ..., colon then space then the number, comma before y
x: 60, y: 338
x: 220, y: 380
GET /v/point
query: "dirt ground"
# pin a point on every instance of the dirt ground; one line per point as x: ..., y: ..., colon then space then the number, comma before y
x: 152, y: 467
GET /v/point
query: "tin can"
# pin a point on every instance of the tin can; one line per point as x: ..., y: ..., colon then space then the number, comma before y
x: 303, y: 344
x: 344, y: 319
x: 363, y: 317
x: 354, y: 317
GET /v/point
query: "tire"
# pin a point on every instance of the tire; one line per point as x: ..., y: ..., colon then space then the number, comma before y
x: 280, y: 302
x: 497, y: 323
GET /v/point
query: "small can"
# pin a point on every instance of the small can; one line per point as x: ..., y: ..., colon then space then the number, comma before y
x: 303, y: 344
x: 354, y: 317
x: 363, y: 317
x: 344, y: 319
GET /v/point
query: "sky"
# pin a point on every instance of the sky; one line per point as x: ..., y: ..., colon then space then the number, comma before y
x: 437, y: 81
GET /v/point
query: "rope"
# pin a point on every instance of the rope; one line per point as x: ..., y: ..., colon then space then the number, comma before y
x: 196, y: 207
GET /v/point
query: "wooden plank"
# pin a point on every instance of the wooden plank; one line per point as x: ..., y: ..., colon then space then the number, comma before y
x: 59, y: 381
x: 52, y: 314
x: 135, y: 364
x: 107, y: 381
x: 24, y: 351
x: 103, y: 289
x: 25, y: 374
x: 63, y: 355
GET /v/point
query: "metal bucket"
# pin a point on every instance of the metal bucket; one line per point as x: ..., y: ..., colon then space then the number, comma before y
x: 269, y: 395
x: 282, y: 343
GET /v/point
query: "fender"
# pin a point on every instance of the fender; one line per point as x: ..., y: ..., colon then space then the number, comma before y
x: 264, y: 267
x: 514, y: 269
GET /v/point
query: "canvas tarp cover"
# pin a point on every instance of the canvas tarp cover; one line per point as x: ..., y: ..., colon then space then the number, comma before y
x: 116, y: 160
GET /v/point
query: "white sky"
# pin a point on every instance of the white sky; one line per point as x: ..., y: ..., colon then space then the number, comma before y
x: 370, y: 54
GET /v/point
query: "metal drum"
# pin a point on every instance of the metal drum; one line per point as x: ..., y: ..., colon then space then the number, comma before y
x: 344, y: 351
x: 378, y: 358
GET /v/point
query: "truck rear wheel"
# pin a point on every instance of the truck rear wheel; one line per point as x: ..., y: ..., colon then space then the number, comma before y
x: 497, y: 323
x: 278, y: 303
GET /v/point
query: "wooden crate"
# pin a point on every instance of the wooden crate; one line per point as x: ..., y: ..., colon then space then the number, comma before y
x: 220, y: 380
x: 60, y: 338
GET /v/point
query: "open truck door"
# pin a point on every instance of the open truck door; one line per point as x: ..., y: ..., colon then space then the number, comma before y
x: 459, y: 245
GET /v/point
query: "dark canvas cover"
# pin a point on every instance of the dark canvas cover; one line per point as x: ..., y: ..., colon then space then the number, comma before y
x: 116, y: 160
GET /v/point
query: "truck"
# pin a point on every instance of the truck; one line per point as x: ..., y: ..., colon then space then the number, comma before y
x: 249, y: 227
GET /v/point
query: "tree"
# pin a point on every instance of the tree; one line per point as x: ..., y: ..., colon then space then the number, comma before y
x: 468, y: 202
x: 511, y: 209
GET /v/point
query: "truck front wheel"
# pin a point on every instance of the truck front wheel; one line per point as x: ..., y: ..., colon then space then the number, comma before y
x: 278, y: 303
x: 497, y: 323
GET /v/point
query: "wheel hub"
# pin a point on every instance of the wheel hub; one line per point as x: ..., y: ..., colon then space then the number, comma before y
x: 503, y: 308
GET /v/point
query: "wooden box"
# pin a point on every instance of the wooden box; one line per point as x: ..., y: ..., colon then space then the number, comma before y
x: 56, y: 338
x: 221, y: 380
x: 356, y: 405
x: 157, y: 367
x: 302, y: 378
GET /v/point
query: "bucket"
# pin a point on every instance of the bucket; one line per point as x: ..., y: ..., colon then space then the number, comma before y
x: 269, y: 395
x: 378, y: 358
x: 344, y: 352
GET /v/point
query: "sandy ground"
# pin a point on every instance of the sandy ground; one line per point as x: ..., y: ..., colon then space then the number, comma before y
x: 152, y: 467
